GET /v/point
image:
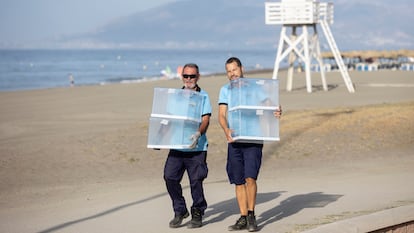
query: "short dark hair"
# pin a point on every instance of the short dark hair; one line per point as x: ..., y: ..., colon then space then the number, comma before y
x: 192, y: 65
x: 234, y: 59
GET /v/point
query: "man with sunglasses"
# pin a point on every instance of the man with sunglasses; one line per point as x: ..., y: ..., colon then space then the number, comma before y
x: 192, y: 160
x: 243, y: 159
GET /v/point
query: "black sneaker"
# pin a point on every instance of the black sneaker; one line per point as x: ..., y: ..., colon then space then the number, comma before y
x: 196, y: 219
x: 251, y: 223
x: 241, y: 224
x: 178, y: 219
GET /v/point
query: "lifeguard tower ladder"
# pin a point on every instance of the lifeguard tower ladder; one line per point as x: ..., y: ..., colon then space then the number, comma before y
x: 303, y: 14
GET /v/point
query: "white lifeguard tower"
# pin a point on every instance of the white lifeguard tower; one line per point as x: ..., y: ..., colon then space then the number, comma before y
x: 304, y: 14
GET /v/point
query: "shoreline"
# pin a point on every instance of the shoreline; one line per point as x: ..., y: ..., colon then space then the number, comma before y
x: 255, y: 72
x: 132, y: 80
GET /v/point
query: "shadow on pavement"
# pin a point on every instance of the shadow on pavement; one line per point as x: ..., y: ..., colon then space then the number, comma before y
x: 294, y: 204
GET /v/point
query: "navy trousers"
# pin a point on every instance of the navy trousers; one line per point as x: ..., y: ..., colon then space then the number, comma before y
x: 196, y: 166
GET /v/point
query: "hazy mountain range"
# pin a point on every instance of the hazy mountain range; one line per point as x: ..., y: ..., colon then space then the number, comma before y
x: 240, y: 24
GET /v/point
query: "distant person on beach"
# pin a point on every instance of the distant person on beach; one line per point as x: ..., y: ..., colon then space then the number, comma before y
x: 71, y: 80
x: 243, y: 159
x: 191, y: 160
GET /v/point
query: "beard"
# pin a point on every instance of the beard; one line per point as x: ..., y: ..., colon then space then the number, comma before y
x: 189, y: 85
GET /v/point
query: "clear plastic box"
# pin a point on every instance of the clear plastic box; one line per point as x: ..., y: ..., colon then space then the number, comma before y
x: 170, y: 133
x: 176, y: 115
x: 250, y: 125
x: 252, y: 102
x: 254, y: 93
x: 177, y: 103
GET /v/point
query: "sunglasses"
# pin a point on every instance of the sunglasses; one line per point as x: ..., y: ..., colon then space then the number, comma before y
x: 189, y: 76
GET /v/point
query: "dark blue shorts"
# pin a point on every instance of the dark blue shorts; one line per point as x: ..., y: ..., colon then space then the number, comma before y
x: 243, y: 161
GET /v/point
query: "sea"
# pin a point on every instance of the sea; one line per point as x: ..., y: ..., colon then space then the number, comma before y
x: 29, y: 69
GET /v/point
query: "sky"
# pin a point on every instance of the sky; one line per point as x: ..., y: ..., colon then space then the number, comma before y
x: 26, y: 21
x: 29, y: 20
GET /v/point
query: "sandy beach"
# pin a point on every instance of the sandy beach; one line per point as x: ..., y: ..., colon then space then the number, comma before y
x: 75, y: 159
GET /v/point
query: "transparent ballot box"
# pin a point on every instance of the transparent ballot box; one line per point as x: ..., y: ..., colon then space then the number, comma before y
x: 170, y: 133
x: 176, y: 115
x: 177, y: 103
x: 252, y: 102
x: 251, y: 125
x: 254, y: 92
